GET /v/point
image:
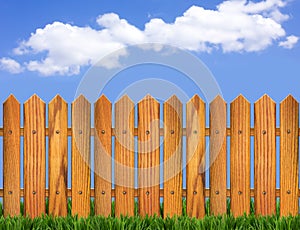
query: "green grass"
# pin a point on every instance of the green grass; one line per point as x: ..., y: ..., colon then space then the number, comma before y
x: 136, y: 222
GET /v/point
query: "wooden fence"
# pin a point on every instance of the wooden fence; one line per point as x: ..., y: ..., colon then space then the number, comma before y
x: 149, y: 131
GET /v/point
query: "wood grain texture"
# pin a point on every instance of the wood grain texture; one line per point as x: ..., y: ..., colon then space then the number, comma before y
x: 34, y: 157
x: 58, y: 156
x: 195, y: 171
x: 81, y: 181
x: 240, y: 156
x: 289, y: 156
x: 148, y: 156
x: 217, y: 158
x: 11, y: 156
x: 265, y: 156
x: 103, y: 156
x: 172, y: 157
x: 124, y: 157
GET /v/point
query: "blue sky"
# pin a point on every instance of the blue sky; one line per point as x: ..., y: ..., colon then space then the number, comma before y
x: 251, y: 47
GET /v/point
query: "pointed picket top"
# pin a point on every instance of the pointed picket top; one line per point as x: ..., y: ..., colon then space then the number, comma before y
x: 240, y: 99
x: 11, y: 100
x: 34, y: 98
x: 125, y: 100
x: 56, y: 99
x: 148, y: 98
x: 196, y: 100
x: 265, y: 98
x: 173, y: 101
x: 289, y: 100
x: 81, y: 99
x: 103, y: 99
x: 217, y: 100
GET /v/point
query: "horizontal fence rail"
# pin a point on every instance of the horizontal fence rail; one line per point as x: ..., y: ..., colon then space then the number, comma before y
x: 148, y: 192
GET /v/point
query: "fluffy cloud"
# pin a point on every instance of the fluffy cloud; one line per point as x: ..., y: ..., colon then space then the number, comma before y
x: 10, y: 66
x: 290, y: 42
x: 234, y: 26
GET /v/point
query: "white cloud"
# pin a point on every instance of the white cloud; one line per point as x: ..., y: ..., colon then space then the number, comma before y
x: 290, y: 42
x: 10, y: 65
x: 234, y: 26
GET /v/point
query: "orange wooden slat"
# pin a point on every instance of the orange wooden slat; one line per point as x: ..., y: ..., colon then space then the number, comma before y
x: 34, y: 157
x: 11, y: 156
x: 148, y: 156
x: 195, y: 171
x: 265, y: 156
x: 58, y: 156
x: 240, y: 156
x: 172, y: 157
x: 81, y: 181
x: 103, y: 155
x: 217, y: 158
x: 289, y: 157
x: 124, y: 157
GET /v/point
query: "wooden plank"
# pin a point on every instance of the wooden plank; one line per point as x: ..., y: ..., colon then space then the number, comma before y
x: 195, y: 171
x: 34, y: 157
x: 103, y: 161
x: 81, y: 125
x: 240, y: 156
x: 148, y: 156
x: 217, y: 158
x: 11, y: 156
x: 172, y: 157
x: 58, y: 156
x: 265, y: 156
x: 289, y: 156
x: 124, y: 157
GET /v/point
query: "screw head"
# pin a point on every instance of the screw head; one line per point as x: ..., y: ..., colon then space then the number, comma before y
x: 240, y: 132
x: 172, y: 131
x: 217, y: 132
x: 10, y: 192
x: 264, y: 193
x: 80, y: 131
x: 80, y: 192
x: 195, y: 192
x: 289, y: 131
x: 147, y: 132
x: 57, y: 192
x: 288, y: 192
x: 103, y: 192
x: 195, y: 132
x: 34, y: 192
x: 264, y: 132
x: 9, y: 132
x: 57, y: 132
x: 124, y: 131
x: 240, y: 192
x: 124, y: 192
x: 172, y: 192
x: 103, y: 131
x: 217, y: 192
x: 147, y: 193
x: 33, y: 131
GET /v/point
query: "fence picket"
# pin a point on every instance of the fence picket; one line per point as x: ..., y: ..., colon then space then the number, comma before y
x: 81, y: 124
x: 148, y: 156
x: 195, y: 171
x: 289, y: 156
x: 58, y: 157
x: 103, y: 161
x: 172, y: 157
x: 124, y: 156
x: 34, y: 157
x: 265, y: 156
x: 240, y: 156
x: 11, y: 156
x: 217, y: 159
